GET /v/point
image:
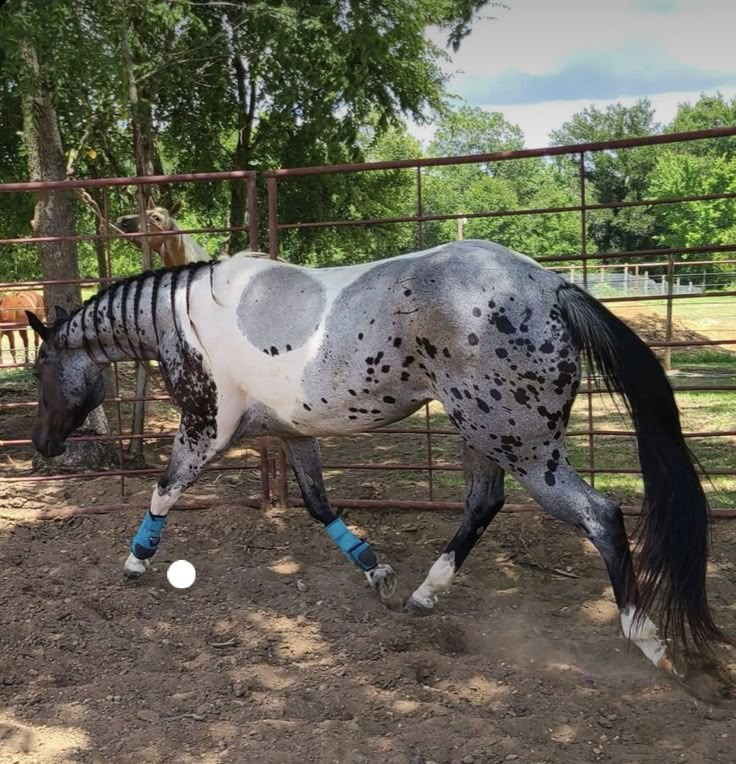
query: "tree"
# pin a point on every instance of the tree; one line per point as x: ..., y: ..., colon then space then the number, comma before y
x: 695, y: 224
x: 293, y: 83
x: 54, y: 210
x: 54, y: 213
x: 373, y: 194
x: 615, y: 176
x: 497, y: 186
x: 695, y: 168
x: 706, y: 113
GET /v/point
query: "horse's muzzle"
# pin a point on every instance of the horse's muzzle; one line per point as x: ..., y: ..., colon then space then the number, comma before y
x: 47, y: 445
x: 128, y: 223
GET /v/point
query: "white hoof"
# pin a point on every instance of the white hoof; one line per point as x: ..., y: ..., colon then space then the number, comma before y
x: 419, y: 605
x: 383, y: 579
x: 135, y: 568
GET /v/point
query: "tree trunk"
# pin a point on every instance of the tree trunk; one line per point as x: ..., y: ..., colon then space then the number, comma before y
x: 103, y: 269
x: 54, y: 210
x: 145, y: 164
x: 238, y: 240
x: 54, y: 216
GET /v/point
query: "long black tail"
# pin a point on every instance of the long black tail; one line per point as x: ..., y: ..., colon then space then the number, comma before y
x: 673, y: 531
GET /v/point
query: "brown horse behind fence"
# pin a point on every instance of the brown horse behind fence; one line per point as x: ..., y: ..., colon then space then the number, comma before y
x: 13, y: 305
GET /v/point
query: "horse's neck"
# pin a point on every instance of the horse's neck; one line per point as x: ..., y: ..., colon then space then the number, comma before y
x: 181, y: 249
x: 194, y: 253
x: 129, y: 320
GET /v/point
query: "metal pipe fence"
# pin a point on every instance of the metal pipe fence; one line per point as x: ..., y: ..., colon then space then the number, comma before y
x: 430, y: 433
x: 582, y: 265
x: 258, y: 462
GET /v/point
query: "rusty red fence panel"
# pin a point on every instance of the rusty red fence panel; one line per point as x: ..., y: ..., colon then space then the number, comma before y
x: 584, y: 261
x: 270, y: 464
x: 262, y: 465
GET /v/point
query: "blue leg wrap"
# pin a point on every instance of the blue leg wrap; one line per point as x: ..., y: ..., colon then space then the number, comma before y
x: 147, y: 538
x: 356, y: 550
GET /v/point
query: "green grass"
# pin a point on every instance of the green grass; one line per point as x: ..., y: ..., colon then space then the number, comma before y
x: 700, y: 412
x: 14, y: 381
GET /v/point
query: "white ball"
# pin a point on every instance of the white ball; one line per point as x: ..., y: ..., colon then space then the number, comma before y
x: 181, y: 574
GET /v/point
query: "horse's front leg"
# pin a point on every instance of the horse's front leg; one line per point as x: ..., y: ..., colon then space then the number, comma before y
x: 304, y: 457
x: 191, y: 453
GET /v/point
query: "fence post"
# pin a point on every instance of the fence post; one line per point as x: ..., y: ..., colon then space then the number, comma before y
x: 461, y: 228
x: 281, y: 471
x: 420, y: 210
x: 250, y: 190
x: 668, y: 319
x: 584, y: 256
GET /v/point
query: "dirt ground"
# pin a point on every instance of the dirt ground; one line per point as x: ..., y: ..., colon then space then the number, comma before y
x: 281, y: 653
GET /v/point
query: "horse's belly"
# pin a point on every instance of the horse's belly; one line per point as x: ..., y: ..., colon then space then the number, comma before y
x: 347, y: 419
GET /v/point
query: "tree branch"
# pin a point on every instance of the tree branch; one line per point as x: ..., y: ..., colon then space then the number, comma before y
x: 74, y: 153
x: 92, y: 205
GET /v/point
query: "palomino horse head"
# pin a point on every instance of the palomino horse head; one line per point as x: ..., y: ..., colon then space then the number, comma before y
x: 70, y: 385
x: 157, y: 219
x: 173, y: 249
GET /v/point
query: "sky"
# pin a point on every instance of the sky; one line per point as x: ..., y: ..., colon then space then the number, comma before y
x: 541, y: 61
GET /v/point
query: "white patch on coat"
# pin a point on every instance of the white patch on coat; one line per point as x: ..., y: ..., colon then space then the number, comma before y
x: 644, y: 634
x: 438, y: 579
x: 135, y: 567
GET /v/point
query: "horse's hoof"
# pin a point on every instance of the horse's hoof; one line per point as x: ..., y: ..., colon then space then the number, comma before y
x: 135, y: 568
x: 383, y: 579
x: 416, y: 608
x: 704, y: 677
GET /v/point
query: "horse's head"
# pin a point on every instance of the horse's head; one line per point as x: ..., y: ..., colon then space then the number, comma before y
x: 157, y: 219
x: 70, y: 385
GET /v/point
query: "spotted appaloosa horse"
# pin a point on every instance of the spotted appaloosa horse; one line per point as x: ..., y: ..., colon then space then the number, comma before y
x: 252, y: 347
x: 173, y: 249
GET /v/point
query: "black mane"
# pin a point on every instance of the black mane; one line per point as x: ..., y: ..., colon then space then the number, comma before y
x: 131, y: 284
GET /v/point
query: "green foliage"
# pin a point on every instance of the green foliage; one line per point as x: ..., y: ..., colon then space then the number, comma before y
x: 496, y: 187
x: 695, y: 168
x: 234, y: 86
x: 695, y: 223
x: 707, y: 112
x: 294, y: 83
x: 614, y: 176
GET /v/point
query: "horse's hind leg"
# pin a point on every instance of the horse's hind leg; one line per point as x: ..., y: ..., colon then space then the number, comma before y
x: 559, y: 490
x: 484, y: 498
x: 304, y: 457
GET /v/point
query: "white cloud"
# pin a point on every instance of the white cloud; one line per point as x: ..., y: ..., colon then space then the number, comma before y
x: 542, y: 36
x: 539, y: 119
x: 566, y: 55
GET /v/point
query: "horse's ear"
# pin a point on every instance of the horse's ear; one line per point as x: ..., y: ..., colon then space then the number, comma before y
x: 151, y: 203
x: 37, y: 325
x: 175, y: 207
x: 61, y: 314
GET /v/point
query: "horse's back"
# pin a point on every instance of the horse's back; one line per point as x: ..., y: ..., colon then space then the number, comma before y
x: 13, y: 305
x: 450, y: 260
